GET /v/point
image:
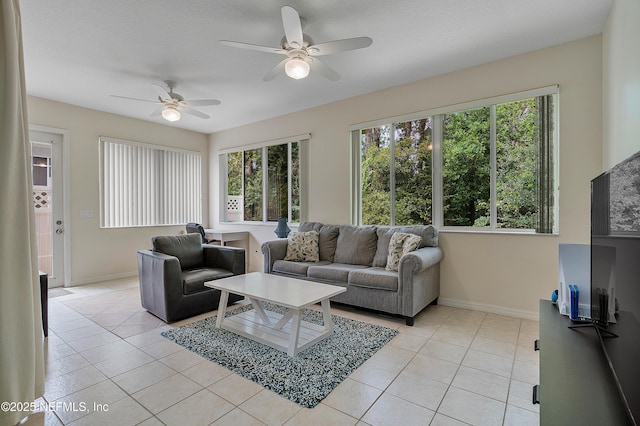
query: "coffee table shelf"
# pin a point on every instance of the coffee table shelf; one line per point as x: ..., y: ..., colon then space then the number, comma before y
x: 249, y: 325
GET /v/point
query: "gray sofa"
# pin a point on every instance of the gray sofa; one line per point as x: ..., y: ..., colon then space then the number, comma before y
x: 355, y: 257
x: 173, y: 273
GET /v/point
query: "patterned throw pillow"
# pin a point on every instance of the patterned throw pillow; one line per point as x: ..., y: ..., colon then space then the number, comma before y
x: 400, y: 244
x: 302, y: 247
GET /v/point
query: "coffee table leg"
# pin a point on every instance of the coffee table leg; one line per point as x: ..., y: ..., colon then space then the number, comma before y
x: 257, y: 306
x: 326, y: 315
x: 222, y: 308
x: 285, y: 318
x: 295, y: 333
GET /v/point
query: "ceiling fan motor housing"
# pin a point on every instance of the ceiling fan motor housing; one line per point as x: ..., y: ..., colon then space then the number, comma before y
x: 306, y: 42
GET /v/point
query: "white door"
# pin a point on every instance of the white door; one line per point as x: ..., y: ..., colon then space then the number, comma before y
x: 46, y: 155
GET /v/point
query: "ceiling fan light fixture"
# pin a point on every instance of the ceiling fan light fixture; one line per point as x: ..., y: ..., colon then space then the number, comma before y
x: 297, y: 68
x: 171, y: 114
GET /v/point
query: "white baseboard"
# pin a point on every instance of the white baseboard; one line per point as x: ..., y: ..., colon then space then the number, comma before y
x: 103, y: 278
x: 494, y: 309
x: 454, y: 303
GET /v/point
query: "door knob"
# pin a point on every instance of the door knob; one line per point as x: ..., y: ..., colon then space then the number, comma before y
x: 58, y: 231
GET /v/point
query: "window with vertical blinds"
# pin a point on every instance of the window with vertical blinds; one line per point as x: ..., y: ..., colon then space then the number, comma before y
x: 148, y: 185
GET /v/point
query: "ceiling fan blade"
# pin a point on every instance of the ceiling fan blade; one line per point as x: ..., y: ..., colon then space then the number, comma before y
x: 275, y: 70
x: 135, y: 99
x: 340, y: 46
x: 252, y: 46
x: 195, y: 112
x: 157, y: 112
x: 161, y: 92
x: 323, y: 69
x: 292, y: 27
x: 202, y: 102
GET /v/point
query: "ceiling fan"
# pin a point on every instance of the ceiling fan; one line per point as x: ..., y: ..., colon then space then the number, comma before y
x: 300, y: 50
x: 172, y: 103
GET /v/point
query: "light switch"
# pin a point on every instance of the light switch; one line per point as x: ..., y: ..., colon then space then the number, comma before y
x: 86, y: 214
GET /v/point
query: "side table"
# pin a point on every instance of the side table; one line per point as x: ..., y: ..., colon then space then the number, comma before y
x: 229, y: 235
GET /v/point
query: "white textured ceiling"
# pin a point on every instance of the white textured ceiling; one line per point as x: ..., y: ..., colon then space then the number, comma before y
x: 82, y: 51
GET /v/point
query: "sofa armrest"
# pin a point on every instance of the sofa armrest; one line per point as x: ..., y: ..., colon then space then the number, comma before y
x: 272, y: 251
x: 421, y: 259
x: 225, y: 257
x: 419, y: 279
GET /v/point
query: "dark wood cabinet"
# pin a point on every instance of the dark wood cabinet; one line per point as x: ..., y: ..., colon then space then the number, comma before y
x: 576, y: 384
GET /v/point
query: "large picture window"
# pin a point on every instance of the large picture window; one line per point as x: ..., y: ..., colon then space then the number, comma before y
x: 263, y: 184
x: 396, y: 173
x: 486, y: 165
x: 148, y: 185
x: 466, y: 146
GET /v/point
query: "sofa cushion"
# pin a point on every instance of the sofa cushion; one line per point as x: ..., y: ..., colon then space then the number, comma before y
x: 428, y: 233
x: 294, y: 268
x: 356, y: 245
x: 336, y: 272
x: 302, y: 247
x: 327, y: 242
x: 194, y: 279
x: 187, y: 248
x: 400, y: 244
x: 309, y: 226
x: 377, y: 278
x: 382, y: 250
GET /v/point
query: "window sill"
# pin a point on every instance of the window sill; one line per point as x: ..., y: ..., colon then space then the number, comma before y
x: 251, y: 223
x: 529, y: 232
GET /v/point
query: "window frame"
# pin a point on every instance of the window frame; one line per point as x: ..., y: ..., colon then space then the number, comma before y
x: 302, y: 141
x: 47, y: 172
x: 160, y: 186
x: 437, y: 115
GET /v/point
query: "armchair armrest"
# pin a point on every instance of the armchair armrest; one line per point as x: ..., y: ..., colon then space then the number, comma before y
x: 225, y: 257
x: 165, y: 272
x: 272, y: 251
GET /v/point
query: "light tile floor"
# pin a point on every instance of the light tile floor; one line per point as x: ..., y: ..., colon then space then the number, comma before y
x: 453, y: 367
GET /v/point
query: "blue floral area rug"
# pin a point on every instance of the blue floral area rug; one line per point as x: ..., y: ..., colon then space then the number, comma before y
x: 306, y: 378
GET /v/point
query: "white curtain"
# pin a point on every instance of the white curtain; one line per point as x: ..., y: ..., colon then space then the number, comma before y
x: 21, y: 342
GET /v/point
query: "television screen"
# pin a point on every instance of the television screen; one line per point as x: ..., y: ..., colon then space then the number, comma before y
x: 615, y: 273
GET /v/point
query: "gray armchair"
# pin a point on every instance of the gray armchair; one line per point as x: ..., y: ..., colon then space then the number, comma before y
x: 173, y: 273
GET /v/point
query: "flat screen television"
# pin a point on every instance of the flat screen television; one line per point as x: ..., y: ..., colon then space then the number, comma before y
x: 615, y: 275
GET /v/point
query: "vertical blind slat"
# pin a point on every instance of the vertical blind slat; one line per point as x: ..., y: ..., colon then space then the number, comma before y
x: 146, y: 186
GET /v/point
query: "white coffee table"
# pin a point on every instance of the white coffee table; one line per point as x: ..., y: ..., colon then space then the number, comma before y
x: 286, y: 332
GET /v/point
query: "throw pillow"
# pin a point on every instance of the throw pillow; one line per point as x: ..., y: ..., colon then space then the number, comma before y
x: 400, y: 244
x: 302, y: 247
